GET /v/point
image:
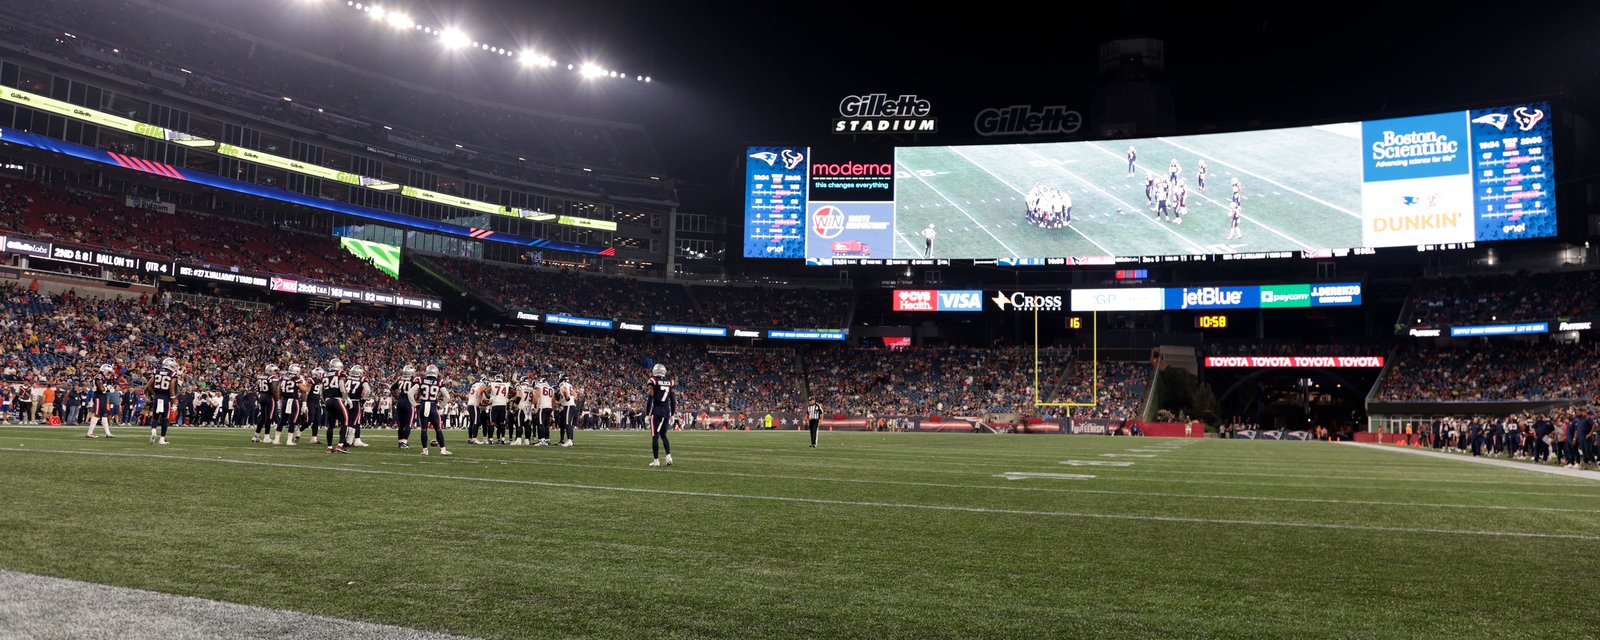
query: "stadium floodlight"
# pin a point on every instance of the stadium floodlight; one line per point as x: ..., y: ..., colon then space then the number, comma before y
x: 591, y: 70
x: 377, y: 13
x: 400, y: 20
x: 454, y: 39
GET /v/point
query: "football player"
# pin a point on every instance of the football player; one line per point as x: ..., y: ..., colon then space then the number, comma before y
x: 160, y: 389
x: 100, y: 400
x: 431, y: 396
x: 404, y: 391
x: 567, y: 414
x: 335, y: 406
x: 266, y: 402
x: 659, y: 405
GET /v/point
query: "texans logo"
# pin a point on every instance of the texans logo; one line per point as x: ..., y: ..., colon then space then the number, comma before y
x: 765, y: 156
x: 791, y: 158
x: 1526, y: 118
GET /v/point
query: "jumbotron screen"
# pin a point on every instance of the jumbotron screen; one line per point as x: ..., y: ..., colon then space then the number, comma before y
x: 1442, y: 180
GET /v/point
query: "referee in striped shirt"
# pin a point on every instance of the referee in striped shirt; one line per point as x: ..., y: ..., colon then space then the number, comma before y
x: 813, y: 418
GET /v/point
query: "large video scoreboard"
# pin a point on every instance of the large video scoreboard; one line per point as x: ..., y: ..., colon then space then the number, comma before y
x: 1447, y: 180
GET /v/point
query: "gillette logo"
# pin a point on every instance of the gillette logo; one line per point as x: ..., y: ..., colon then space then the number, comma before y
x: 1212, y: 297
x: 1024, y: 120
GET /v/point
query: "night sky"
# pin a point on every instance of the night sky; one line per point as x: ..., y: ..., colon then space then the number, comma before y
x: 729, y: 74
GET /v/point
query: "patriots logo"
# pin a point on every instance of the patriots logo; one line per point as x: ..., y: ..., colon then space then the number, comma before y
x: 765, y: 156
x: 1527, y: 118
x: 1408, y: 200
x: 790, y: 158
x: 1497, y: 120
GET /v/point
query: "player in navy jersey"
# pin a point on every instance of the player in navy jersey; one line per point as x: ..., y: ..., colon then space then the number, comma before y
x: 404, y: 392
x: 659, y: 405
x: 1133, y: 157
x: 314, y: 409
x: 289, y: 407
x: 431, y: 396
x: 1200, y: 176
x: 1233, y: 222
x: 356, y: 388
x: 99, y: 400
x: 335, y: 407
x: 267, y: 400
x: 1238, y: 191
x: 161, y: 388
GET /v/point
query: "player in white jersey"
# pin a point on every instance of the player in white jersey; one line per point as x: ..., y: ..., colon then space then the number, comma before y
x: 499, y: 396
x: 476, y: 416
x: 544, y: 398
x: 524, y: 420
x: 567, y: 413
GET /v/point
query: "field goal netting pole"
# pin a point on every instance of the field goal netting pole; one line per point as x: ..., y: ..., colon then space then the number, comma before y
x: 1094, y: 366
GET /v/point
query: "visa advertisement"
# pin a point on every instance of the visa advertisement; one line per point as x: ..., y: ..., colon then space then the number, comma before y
x: 918, y: 300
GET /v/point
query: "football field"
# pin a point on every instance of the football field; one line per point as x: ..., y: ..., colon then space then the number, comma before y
x: 1301, y: 190
x: 755, y: 535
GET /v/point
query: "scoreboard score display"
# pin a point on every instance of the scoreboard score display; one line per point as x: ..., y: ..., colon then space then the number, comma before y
x: 1440, y: 180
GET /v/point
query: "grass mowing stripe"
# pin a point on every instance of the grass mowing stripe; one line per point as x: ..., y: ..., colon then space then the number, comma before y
x: 1011, y: 486
x: 963, y: 210
x: 1266, y: 179
x: 848, y: 503
x: 1138, y: 474
x: 1247, y: 218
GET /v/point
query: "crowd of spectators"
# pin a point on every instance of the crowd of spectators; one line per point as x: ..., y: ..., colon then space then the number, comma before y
x: 963, y: 381
x: 1515, y: 297
x: 72, y: 216
x: 62, y: 340
x: 564, y: 291
x: 1486, y: 372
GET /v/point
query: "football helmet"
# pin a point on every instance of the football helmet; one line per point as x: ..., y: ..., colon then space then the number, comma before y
x: 356, y: 371
x: 433, y: 370
x: 170, y: 364
x: 106, y: 368
x: 660, y: 370
x: 294, y: 369
x: 335, y: 365
x: 408, y: 371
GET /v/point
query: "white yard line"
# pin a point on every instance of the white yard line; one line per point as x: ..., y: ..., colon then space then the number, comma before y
x: 1494, y: 462
x: 34, y: 606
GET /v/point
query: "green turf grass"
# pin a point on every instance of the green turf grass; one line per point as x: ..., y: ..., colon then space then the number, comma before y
x: 754, y: 535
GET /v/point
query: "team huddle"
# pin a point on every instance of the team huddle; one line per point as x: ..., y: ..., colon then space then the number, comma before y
x: 289, y: 401
x: 1049, y: 207
x: 1168, y: 196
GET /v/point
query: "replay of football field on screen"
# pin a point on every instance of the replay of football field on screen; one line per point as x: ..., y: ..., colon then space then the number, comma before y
x: 1456, y: 178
